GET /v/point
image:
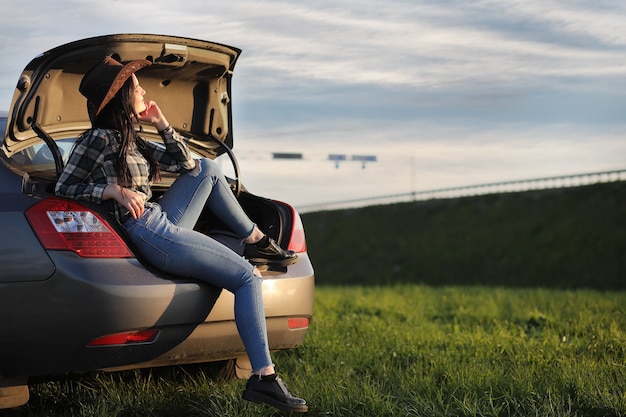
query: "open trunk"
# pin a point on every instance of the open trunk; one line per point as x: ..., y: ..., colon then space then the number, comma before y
x: 276, y: 219
x: 189, y: 78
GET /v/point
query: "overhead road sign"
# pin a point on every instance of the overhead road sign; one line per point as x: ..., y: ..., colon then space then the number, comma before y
x: 286, y: 155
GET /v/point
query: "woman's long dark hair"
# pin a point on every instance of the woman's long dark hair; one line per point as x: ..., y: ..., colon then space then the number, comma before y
x: 120, y: 115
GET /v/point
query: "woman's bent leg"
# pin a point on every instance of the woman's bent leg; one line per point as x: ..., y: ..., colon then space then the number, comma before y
x: 207, y: 187
x: 186, y: 253
x: 191, y: 192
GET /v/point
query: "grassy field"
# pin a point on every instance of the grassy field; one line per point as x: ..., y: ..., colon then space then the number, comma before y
x: 406, y: 350
x: 560, y: 238
x: 509, y: 305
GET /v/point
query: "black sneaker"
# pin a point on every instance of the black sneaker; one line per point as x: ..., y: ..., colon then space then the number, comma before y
x: 271, y: 390
x: 267, y: 252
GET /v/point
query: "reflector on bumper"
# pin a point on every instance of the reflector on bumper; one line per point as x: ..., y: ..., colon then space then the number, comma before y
x: 139, y: 337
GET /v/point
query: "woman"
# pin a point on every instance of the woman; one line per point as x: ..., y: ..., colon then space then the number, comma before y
x: 111, y: 165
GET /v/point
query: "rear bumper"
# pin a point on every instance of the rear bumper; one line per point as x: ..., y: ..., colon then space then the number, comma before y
x: 54, y: 320
x: 285, y: 296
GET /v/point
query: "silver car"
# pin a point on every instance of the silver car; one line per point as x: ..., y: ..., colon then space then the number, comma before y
x: 74, y: 294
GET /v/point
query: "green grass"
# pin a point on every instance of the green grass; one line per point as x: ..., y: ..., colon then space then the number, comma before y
x: 458, y: 351
x: 561, y: 238
x: 503, y: 305
x: 406, y: 350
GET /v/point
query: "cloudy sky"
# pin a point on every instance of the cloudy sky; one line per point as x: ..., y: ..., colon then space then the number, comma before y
x: 443, y: 92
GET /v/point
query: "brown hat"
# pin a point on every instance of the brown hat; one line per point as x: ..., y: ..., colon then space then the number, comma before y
x: 104, y: 80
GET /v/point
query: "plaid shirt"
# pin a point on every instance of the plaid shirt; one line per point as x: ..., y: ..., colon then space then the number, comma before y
x: 93, y: 163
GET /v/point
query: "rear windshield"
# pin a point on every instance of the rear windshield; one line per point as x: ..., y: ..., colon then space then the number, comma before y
x: 38, y: 158
x: 35, y: 158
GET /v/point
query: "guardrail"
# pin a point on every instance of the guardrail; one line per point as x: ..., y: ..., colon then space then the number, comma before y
x: 561, y: 181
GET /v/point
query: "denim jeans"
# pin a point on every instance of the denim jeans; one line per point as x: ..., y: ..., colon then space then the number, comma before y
x: 164, y: 236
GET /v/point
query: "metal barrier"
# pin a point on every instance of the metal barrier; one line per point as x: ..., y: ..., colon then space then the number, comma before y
x: 562, y: 181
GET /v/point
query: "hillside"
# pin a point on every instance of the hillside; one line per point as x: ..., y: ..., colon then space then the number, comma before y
x: 564, y: 238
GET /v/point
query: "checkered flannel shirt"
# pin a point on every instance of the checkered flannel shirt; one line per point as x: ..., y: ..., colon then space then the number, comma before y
x: 93, y: 162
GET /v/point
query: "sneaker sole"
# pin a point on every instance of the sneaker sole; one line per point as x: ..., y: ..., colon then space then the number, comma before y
x: 259, y: 398
x: 269, y: 262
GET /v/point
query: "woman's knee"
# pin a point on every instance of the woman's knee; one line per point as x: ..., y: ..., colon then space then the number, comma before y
x: 252, y: 280
x: 209, y: 166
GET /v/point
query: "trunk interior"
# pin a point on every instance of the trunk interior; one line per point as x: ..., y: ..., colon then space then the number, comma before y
x: 40, y: 164
x: 273, y: 217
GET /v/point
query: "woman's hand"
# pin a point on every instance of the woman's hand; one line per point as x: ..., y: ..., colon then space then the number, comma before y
x: 153, y: 114
x: 130, y: 199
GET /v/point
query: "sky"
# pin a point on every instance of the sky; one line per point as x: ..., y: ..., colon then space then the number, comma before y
x: 442, y: 92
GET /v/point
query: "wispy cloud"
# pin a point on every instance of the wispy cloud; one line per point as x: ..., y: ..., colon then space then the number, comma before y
x: 485, y: 87
x: 401, y: 44
x: 434, y: 44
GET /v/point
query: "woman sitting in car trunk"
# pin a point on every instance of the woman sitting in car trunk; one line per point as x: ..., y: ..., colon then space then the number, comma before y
x: 113, y: 166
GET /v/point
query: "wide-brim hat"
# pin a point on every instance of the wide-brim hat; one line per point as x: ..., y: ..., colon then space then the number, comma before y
x: 102, y: 82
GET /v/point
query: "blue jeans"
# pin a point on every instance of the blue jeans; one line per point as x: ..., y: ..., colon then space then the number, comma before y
x: 164, y: 236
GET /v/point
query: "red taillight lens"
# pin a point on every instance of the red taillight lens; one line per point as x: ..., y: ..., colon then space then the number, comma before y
x: 126, y: 338
x: 297, y: 243
x: 297, y: 323
x: 67, y: 225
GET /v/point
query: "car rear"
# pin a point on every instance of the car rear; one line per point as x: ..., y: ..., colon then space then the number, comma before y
x: 74, y: 293
x: 82, y: 300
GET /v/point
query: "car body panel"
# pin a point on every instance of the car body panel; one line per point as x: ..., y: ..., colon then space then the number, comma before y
x: 195, y: 319
x: 23, y: 258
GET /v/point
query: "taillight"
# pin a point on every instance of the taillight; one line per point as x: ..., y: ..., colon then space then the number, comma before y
x: 297, y: 243
x: 67, y: 225
x: 139, y: 337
